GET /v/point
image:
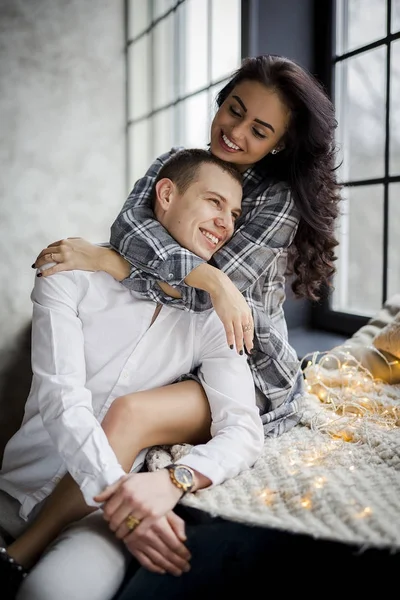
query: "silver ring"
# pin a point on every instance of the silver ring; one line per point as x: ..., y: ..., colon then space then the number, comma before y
x: 247, y: 327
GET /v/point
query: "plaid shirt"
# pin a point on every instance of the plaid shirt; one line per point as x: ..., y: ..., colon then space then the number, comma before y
x: 255, y: 259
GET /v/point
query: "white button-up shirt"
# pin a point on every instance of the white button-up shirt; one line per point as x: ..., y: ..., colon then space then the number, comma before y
x: 91, y: 343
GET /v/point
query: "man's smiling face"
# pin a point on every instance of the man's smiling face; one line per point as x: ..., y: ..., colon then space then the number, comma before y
x: 201, y: 219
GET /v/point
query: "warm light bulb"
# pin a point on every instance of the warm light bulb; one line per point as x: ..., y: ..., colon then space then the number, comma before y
x: 306, y: 502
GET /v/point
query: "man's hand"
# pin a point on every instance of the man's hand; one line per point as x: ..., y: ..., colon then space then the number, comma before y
x: 143, y: 495
x: 157, y: 543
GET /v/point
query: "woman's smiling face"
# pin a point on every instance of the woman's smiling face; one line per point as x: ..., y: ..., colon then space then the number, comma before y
x: 249, y: 124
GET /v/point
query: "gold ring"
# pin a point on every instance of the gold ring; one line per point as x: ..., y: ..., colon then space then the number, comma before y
x: 247, y: 327
x: 131, y: 522
x: 51, y: 256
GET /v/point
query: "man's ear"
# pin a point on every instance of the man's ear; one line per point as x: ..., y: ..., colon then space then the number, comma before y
x: 164, y: 192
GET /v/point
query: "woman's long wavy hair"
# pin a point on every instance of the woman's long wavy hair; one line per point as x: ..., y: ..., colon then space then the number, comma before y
x: 307, y: 164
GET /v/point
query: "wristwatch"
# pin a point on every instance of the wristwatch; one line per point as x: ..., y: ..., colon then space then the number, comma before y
x: 181, y: 476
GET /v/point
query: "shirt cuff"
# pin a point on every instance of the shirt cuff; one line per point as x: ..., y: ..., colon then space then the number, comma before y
x: 174, y: 270
x: 92, y: 487
x: 207, y: 467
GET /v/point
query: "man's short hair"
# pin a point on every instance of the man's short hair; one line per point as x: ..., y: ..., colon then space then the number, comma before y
x: 182, y: 167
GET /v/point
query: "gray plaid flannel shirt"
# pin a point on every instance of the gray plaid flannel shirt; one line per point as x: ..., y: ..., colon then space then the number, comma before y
x: 255, y: 259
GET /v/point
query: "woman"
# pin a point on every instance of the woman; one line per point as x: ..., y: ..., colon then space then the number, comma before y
x: 276, y: 124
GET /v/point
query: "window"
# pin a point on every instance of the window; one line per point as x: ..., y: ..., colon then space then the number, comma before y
x: 365, y: 72
x: 177, y: 61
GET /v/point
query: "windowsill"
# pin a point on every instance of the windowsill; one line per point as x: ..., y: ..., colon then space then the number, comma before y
x: 305, y: 340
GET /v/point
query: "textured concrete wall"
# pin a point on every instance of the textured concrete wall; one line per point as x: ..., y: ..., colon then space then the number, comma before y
x: 62, y: 154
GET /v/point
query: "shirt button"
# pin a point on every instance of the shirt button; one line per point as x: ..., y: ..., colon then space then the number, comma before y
x: 170, y: 276
x: 124, y: 375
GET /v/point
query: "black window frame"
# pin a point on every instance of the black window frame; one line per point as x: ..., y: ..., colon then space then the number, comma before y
x: 323, y: 316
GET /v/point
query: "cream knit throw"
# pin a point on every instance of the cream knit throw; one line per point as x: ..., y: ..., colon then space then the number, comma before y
x: 311, y: 481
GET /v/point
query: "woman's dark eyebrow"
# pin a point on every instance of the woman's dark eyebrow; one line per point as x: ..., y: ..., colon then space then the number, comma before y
x: 256, y: 120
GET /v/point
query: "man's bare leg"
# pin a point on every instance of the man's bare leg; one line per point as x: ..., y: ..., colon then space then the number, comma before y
x: 178, y: 413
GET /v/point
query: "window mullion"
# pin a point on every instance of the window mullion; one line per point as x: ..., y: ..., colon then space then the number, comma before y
x: 385, y: 253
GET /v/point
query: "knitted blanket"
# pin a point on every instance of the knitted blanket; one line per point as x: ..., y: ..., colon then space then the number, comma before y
x: 332, y: 477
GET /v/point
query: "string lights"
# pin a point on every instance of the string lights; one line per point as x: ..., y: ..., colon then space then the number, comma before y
x: 347, y: 409
x: 357, y: 400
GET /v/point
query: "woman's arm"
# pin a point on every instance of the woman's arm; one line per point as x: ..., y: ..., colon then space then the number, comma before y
x: 78, y: 254
x: 137, y: 236
x: 265, y: 231
x: 263, y: 234
x: 229, y: 304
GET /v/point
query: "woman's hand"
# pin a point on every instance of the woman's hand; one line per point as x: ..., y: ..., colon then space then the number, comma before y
x: 229, y: 304
x: 235, y: 314
x: 76, y: 253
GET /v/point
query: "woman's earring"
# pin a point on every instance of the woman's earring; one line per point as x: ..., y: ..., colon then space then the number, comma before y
x: 274, y: 151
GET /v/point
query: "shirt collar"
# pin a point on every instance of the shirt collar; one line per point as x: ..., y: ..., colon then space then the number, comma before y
x: 251, y: 177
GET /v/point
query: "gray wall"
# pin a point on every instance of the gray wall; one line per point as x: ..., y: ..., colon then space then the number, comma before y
x: 283, y: 27
x: 62, y: 153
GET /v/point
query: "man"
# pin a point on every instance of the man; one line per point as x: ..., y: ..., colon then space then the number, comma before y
x: 93, y: 342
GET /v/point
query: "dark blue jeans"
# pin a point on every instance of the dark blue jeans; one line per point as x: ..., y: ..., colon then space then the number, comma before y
x: 242, y: 562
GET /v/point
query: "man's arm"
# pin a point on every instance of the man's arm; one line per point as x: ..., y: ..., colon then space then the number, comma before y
x: 59, y: 372
x: 236, y: 429
x: 237, y: 442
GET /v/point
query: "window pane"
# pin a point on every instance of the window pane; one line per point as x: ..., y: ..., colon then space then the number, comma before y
x: 394, y: 240
x: 360, y: 90
x: 212, y: 98
x: 395, y: 109
x: 139, y: 150
x: 225, y: 15
x: 139, y: 17
x: 161, y: 7
x: 163, y: 79
x: 194, y: 118
x: 163, y: 130
x: 195, y: 69
x: 358, y: 284
x: 139, y: 81
x: 359, y: 23
x: 395, y: 16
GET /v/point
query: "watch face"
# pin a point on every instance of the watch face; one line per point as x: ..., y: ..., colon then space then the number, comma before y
x: 183, y: 476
